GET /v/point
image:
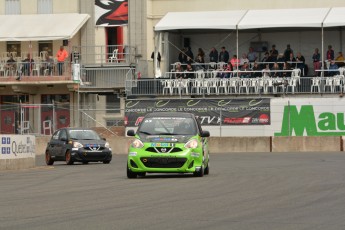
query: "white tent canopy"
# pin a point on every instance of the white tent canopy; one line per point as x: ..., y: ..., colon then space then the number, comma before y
x: 253, y: 19
x: 335, y: 17
x: 200, y: 20
x: 35, y: 27
x: 279, y: 18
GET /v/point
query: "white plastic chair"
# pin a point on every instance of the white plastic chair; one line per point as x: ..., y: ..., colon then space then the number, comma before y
x: 232, y: 85
x: 113, y: 57
x: 223, y: 84
x: 328, y: 84
x: 315, y: 84
x: 36, y: 69
x: 212, y: 85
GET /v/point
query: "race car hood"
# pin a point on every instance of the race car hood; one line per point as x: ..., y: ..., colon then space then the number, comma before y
x: 92, y: 142
x: 165, y: 138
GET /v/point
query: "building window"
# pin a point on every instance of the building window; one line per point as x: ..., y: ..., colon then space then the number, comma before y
x: 45, y: 6
x: 12, y: 7
x: 14, y: 49
x: 112, y: 104
x: 45, y: 46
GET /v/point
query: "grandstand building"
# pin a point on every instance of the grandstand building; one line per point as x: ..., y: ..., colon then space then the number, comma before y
x: 113, y: 49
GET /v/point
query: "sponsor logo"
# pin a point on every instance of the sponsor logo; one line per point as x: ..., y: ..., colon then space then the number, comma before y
x: 264, y: 119
x: 237, y: 120
x: 192, y: 102
x: 303, y: 122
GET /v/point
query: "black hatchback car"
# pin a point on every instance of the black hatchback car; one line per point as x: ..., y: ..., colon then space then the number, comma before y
x: 77, y: 145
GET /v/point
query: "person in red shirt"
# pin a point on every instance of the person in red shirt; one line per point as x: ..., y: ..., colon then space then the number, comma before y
x: 61, y: 55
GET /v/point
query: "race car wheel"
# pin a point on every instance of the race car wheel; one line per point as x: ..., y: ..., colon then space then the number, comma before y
x: 85, y: 162
x: 106, y: 162
x: 49, y: 160
x: 131, y: 174
x: 68, y: 158
x: 207, y: 169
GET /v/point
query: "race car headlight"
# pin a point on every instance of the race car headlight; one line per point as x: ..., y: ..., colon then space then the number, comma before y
x: 192, y: 144
x: 77, y: 145
x: 137, y: 144
x: 107, y: 145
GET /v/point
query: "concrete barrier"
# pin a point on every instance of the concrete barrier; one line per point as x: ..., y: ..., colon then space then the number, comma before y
x: 239, y: 144
x: 16, y: 164
x: 119, y: 144
x: 307, y: 144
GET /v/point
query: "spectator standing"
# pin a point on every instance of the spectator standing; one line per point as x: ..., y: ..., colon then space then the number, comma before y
x: 273, y: 54
x: 287, y: 52
x: 28, y: 64
x: 213, y: 55
x: 252, y: 56
x: 330, y: 53
x: 264, y: 60
x: 224, y: 55
x: 189, y: 53
x: 316, y: 61
x: 61, y: 55
x: 182, y: 57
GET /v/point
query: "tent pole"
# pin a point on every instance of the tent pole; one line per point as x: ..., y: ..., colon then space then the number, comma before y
x: 237, y: 46
x: 322, y: 56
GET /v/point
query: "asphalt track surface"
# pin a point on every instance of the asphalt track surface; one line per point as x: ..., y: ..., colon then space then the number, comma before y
x: 243, y: 191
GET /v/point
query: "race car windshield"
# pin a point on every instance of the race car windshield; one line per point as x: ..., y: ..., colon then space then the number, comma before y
x: 84, y: 135
x: 168, y: 126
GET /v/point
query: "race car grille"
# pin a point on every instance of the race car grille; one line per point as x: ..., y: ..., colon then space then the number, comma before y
x: 163, y: 162
x: 163, y: 150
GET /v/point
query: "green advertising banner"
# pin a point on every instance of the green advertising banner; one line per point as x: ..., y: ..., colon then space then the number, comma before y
x: 209, y: 111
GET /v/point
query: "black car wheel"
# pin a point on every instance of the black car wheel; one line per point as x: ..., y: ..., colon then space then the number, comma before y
x: 69, y: 160
x: 207, y: 169
x: 199, y: 173
x: 106, y: 162
x: 49, y: 160
x: 131, y: 174
x: 85, y: 162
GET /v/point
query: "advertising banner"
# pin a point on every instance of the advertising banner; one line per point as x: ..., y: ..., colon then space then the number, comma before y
x: 210, y: 112
x: 111, y: 12
x: 17, y: 146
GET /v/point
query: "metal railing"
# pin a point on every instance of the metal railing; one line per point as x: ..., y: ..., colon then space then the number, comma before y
x: 103, y: 55
x: 237, y: 86
x: 105, y: 77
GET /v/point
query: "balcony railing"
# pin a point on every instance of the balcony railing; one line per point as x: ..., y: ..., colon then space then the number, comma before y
x: 259, y: 86
x: 103, y: 55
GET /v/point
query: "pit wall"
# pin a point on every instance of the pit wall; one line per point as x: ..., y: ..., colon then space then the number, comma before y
x: 17, y: 152
x: 119, y: 144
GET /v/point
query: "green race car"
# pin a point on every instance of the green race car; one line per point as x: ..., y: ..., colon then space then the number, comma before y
x: 168, y: 143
